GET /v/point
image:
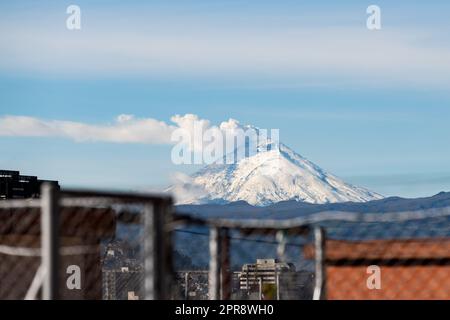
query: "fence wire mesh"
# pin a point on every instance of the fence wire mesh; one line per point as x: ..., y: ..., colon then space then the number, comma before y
x: 128, y: 247
x: 250, y: 264
x: 326, y: 255
x: 19, y: 251
x: 102, y: 250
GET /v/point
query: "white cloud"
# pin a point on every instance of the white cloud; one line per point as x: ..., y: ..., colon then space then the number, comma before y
x: 125, y: 129
x: 387, y: 55
x: 185, y: 190
x: 188, y: 121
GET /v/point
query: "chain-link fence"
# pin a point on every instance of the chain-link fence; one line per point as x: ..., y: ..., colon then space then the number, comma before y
x: 96, y: 245
x: 85, y: 245
x: 326, y: 255
x: 244, y: 259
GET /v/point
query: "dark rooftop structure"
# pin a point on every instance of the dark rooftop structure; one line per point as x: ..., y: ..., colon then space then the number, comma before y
x: 13, y: 185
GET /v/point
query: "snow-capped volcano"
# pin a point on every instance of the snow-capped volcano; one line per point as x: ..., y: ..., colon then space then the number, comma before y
x: 274, y: 175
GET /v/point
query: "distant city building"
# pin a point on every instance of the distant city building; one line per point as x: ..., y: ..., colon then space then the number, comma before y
x: 267, y: 279
x: 13, y: 185
x: 263, y: 272
x: 123, y: 274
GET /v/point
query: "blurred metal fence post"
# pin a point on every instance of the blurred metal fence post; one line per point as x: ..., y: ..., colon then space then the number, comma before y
x: 225, y: 270
x: 281, y: 247
x: 219, y: 278
x: 260, y: 295
x: 186, y: 286
x: 167, y: 267
x: 50, y: 240
x: 277, y: 283
x: 157, y: 251
x: 150, y: 259
x: 320, y: 276
x: 214, y: 263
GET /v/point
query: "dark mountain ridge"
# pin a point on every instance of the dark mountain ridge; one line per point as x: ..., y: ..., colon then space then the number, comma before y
x: 292, y: 209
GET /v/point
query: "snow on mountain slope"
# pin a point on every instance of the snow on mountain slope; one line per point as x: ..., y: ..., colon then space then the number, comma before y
x: 267, y: 177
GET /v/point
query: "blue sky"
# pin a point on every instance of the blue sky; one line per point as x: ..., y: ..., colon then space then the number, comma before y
x: 369, y: 106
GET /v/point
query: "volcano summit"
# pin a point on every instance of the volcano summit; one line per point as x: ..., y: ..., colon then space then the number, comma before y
x: 273, y: 175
